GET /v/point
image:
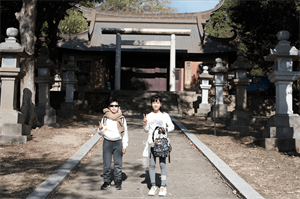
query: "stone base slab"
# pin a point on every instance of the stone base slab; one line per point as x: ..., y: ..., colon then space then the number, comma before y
x: 219, y: 111
x: 238, y: 128
x: 11, y: 116
x: 15, y: 133
x: 47, y: 115
x: 292, y: 120
x: 68, y: 109
x: 280, y: 144
x: 15, y: 139
x: 203, y: 109
x: 15, y: 129
x: 283, y: 126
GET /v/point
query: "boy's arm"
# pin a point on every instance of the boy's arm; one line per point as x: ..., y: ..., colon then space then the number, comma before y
x: 169, y: 123
x: 125, y: 135
x: 101, y: 130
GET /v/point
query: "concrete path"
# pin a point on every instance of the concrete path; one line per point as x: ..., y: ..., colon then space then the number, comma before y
x: 190, y: 175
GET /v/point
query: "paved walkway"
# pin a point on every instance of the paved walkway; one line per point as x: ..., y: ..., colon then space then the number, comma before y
x: 190, y: 175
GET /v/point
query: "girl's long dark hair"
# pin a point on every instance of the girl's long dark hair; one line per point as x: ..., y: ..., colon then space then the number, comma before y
x: 156, y: 98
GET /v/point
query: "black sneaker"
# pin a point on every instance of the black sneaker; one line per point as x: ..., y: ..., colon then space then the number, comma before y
x: 118, y: 185
x: 106, y: 185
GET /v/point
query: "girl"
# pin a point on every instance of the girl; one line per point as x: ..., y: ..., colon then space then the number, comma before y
x: 113, y: 127
x: 150, y: 122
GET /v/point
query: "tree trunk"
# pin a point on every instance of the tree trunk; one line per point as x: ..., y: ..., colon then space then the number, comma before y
x: 27, y: 20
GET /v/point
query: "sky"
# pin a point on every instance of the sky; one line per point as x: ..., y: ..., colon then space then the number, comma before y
x: 184, y: 6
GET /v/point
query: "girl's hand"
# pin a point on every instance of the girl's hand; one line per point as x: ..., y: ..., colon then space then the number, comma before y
x: 124, y: 151
x: 100, y: 125
x: 145, y: 120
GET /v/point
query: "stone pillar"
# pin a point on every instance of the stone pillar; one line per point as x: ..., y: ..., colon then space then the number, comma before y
x: 68, y: 108
x: 240, y: 117
x: 283, y: 128
x: 82, y: 82
x: 219, y: 109
x: 204, y: 106
x: 172, y: 64
x: 118, y: 62
x: 12, y: 127
x: 45, y: 113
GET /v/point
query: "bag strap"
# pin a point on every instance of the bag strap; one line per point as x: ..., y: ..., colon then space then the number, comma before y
x: 154, y: 132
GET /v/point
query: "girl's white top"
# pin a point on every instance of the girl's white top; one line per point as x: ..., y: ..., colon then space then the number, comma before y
x: 158, y: 119
x: 110, y: 131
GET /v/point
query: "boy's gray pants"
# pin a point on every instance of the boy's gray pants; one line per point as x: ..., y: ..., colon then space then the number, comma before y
x: 112, y: 149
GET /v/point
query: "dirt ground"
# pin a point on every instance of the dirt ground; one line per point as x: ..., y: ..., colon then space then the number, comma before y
x: 271, y: 173
x: 25, y: 166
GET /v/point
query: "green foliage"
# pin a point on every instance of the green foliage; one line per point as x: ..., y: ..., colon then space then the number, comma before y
x: 136, y: 6
x: 257, y: 71
x: 258, y: 23
x: 220, y: 24
x: 74, y: 22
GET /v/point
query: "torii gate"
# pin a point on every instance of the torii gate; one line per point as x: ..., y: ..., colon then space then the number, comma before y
x: 144, y: 31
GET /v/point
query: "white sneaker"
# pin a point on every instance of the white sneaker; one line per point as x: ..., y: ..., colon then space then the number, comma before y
x: 152, y: 191
x: 162, y: 191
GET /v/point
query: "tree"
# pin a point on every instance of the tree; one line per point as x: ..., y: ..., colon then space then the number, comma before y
x: 31, y: 16
x: 137, y: 6
x: 74, y: 22
x: 258, y: 23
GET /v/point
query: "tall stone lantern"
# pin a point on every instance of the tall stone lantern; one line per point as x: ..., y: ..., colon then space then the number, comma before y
x: 204, y: 106
x: 12, y: 127
x: 240, y: 117
x: 283, y: 128
x: 219, y: 109
x: 69, y: 107
x: 45, y: 113
x: 82, y: 76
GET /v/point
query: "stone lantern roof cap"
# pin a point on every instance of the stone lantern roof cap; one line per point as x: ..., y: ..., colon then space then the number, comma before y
x: 71, y: 65
x: 241, y: 62
x: 283, y: 48
x: 219, y: 67
x: 205, y: 75
x: 44, y: 61
x: 11, y: 46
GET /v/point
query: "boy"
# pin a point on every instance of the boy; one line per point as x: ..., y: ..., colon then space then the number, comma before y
x: 113, y: 127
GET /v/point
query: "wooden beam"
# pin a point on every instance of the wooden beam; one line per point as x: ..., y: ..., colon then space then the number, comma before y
x: 145, y: 43
x: 147, y: 31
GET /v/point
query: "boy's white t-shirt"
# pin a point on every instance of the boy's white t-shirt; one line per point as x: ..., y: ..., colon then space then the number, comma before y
x: 110, y: 131
x: 158, y: 119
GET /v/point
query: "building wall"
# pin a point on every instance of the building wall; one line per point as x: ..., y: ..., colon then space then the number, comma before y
x: 96, y: 63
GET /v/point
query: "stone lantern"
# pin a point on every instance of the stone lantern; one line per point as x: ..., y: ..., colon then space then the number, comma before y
x: 57, y: 83
x: 69, y: 107
x: 240, y: 117
x: 219, y: 109
x: 45, y: 113
x: 283, y: 128
x: 204, y: 106
x: 82, y: 76
x: 12, y: 127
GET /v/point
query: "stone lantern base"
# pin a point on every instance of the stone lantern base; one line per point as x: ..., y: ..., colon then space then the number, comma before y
x: 219, y: 111
x: 12, y: 127
x: 83, y: 106
x: 240, y: 120
x: 282, y: 132
x: 68, y: 109
x: 47, y: 116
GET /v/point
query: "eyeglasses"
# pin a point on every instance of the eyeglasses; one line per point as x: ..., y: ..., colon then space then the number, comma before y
x: 116, y: 106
